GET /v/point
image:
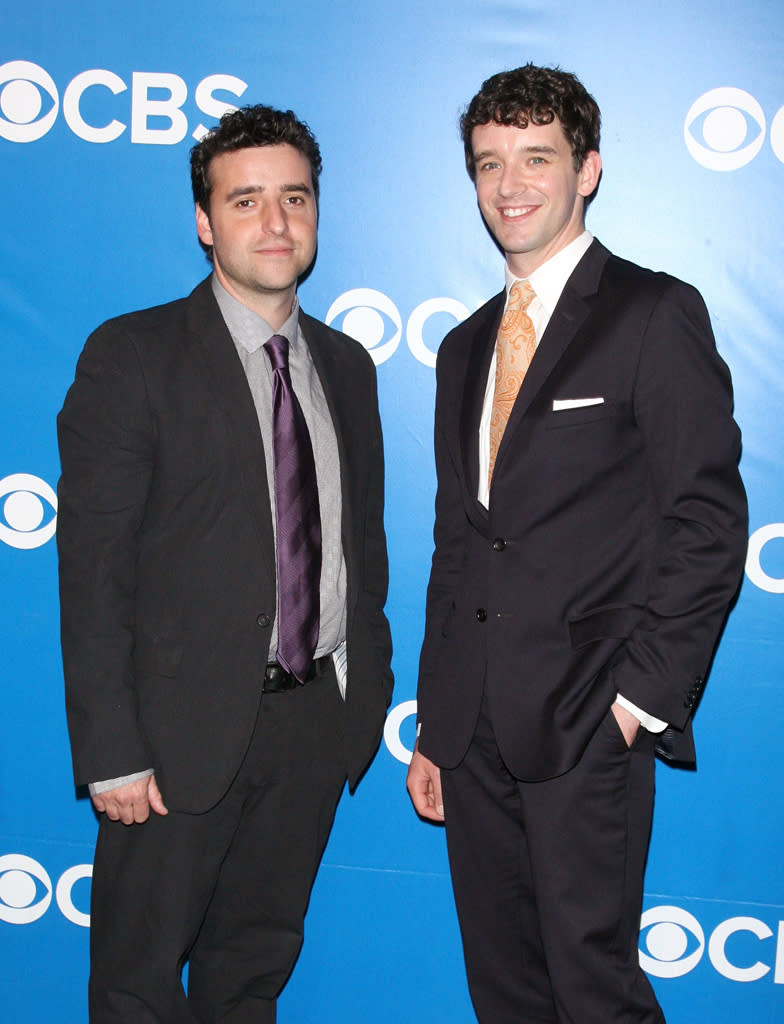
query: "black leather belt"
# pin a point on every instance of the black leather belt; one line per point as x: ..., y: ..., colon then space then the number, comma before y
x: 277, y: 679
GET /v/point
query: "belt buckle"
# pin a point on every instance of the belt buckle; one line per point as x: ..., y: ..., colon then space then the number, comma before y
x: 277, y: 679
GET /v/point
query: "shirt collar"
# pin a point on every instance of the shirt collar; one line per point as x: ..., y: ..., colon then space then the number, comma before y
x: 548, y: 280
x: 247, y: 328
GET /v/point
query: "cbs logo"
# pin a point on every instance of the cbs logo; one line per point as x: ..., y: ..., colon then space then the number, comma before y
x: 26, y: 890
x: 675, y: 943
x: 754, y: 570
x: 392, y: 729
x: 725, y: 129
x: 30, y: 102
x: 369, y: 316
x: 22, y: 498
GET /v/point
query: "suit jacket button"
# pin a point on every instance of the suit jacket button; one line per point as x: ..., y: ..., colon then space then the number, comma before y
x: 481, y: 615
x: 499, y: 544
x: 263, y: 620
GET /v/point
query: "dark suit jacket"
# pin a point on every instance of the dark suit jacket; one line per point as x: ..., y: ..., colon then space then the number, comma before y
x: 167, y: 562
x: 616, y: 532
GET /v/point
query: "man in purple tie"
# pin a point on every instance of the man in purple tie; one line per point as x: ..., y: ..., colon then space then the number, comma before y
x: 223, y: 574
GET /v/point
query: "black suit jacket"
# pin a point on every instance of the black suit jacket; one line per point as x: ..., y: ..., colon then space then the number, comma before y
x: 616, y: 532
x: 167, y: 561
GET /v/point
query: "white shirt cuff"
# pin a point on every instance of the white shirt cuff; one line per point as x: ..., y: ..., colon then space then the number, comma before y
x: 123, y: 780
x: 647, y: 721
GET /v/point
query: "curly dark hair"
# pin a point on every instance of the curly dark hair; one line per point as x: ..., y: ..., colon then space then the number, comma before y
x: 248, y: 128
x: 536, y: 95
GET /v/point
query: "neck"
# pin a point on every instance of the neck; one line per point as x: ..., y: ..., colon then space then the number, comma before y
x: 274, y: 307
x: 523, y: 264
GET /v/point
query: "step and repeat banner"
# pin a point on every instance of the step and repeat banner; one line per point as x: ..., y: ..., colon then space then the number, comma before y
x: 99, y: 104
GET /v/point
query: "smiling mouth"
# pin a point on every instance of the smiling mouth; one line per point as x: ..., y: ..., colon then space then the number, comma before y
x: 513, y: 212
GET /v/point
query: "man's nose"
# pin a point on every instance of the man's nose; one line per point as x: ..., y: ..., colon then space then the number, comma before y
x: 513, y: 180
x: 273, y: 219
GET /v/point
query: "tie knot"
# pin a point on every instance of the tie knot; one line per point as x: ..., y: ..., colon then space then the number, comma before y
x: 521, y: 295
x: 277, y: 349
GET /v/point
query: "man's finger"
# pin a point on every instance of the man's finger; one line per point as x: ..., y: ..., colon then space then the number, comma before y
x: 140, y: 812
x: 155, y: 798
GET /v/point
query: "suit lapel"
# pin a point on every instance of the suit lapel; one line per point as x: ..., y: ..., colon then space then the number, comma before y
x: 574, y: 305
x: 229, y: 386
x: 480, y: 354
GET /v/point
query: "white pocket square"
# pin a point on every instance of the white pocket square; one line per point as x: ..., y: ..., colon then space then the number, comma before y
x: 574, y: 403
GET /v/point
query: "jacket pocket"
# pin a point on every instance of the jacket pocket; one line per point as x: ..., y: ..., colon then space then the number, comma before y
x: 604, y: 623
x: 582, y: 414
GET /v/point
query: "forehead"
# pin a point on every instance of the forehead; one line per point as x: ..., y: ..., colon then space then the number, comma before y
x: 260, y: 165
x: 493, y: 137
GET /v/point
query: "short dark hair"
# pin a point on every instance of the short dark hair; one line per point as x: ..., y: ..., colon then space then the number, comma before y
x: 248, y: 128
x: 536, y: 95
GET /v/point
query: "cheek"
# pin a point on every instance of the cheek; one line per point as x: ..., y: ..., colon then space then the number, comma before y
x: 307, y: 233
x: 486, y: 207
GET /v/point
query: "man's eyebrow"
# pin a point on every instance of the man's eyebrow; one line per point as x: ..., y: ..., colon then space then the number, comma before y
x: 244, y: 190
x: 534, y: 150
x: 250, y: 190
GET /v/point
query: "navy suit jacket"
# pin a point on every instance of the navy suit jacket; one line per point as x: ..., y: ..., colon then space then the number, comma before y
x: 616, y: 532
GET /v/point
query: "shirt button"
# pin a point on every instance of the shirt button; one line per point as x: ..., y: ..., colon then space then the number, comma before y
x: 263, y: 620
x: 481, y: 615
x: 499, y: 544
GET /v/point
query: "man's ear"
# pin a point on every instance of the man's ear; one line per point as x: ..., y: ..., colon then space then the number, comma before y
x: 589, y: 173
x: 203, y: 226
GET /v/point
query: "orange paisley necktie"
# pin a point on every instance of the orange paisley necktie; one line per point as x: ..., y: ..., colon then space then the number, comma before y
x: 515, y: 347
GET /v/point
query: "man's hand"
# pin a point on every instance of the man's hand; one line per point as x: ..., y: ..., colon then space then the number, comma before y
x: 627, y: 723
x: 131, y: 803
x: 424, y: 787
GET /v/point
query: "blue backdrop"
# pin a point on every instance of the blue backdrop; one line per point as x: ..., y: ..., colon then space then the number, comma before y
x: 99, y: 104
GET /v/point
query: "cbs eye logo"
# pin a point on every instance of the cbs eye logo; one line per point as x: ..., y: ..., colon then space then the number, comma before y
x: 725, y: 129
x: 22, y: 498
x: 21, y: 101
x: 670, y: 933
x: 372, y: 318
x: 25, y: 889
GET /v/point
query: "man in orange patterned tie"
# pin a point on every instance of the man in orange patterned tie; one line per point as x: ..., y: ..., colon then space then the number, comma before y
x: 590, y: 534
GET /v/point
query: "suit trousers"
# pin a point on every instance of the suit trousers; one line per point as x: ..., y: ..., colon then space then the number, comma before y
x: 225, y: 891
x: 548, y: 881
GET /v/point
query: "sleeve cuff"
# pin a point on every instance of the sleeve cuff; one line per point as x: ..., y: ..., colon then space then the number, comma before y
x: 647, y: 721
x: 103, y: 787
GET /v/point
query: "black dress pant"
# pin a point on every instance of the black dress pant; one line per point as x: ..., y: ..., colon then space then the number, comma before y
x: 226, y: 890
x: 548, y: 881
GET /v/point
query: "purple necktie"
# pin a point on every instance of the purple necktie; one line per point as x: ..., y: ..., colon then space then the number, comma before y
x: 298, y: 520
